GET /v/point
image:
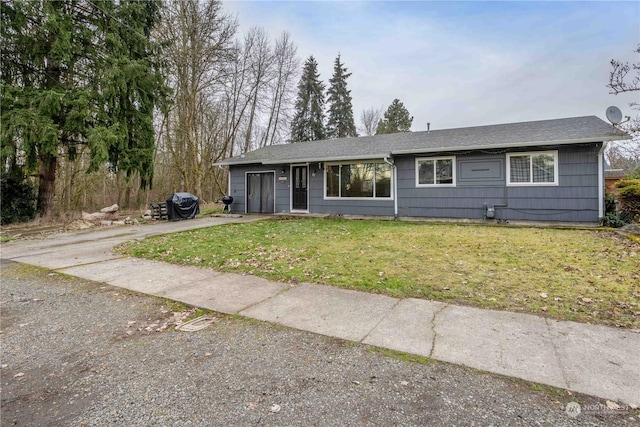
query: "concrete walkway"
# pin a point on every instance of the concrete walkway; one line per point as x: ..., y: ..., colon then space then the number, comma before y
x: 595, y: 360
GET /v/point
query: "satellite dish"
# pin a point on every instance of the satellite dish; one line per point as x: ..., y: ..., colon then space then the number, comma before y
x: 614, y: 115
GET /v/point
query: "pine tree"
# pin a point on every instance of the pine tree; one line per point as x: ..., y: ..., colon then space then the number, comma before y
x: 341, y: 123
x: 396, y: 119
x: 78, y: 73
x: 308, y: 119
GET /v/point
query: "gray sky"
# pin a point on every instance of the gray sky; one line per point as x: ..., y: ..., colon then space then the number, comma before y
x: 458, y: 64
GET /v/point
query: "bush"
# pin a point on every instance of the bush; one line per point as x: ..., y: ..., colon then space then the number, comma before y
x: 612, y: 217
x: 615, y: 219
x: 610, y: 204
x: 628, y: 197
x: 18, y: 199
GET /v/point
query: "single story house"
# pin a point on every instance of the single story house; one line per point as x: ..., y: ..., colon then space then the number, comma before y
x: 549, y: 170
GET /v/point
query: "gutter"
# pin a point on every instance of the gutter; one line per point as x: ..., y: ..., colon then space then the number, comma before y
x: 300, y: 160
x: 394, y: 177
x: 509, y: 145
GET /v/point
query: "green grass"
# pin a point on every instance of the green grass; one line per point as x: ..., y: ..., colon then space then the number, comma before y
x: 583, y: 275
x: 402, y: 356
x: 211, y: 209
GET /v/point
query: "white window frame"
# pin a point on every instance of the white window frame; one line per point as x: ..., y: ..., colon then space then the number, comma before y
x: 435, y: 160
x: 329, y: 164
x: 553, y: 153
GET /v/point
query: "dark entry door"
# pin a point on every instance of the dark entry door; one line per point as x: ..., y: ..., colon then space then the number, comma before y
x: 299, y: 187
x: 260, y: 195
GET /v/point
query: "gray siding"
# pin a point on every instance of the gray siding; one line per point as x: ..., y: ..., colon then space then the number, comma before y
x: 574, y: 199
x: 480, y: 180
x: 237, y: 176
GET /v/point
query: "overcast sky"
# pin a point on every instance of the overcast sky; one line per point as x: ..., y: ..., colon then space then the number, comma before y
x: 458, y: 64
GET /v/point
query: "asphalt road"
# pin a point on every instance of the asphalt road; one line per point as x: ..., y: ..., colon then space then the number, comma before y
x: 81, y: 353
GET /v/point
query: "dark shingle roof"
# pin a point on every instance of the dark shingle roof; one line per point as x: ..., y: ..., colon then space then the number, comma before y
x: 526, y: 134
x: 614, y: 173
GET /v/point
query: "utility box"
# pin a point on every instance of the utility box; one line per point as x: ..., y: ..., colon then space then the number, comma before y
x: 490, y: 212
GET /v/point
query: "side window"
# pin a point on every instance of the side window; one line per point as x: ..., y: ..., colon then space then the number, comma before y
x: 435, y: 171
x: 537, y: 168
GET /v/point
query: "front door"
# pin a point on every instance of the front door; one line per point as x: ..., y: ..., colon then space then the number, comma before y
x: 299, y: 188
x: 260, y: 192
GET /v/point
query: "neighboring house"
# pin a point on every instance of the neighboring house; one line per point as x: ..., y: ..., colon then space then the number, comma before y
x: 550, y: 170
x: 611, y: 176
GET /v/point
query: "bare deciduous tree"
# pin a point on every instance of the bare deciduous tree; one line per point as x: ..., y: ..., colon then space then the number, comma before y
x: 618, y: 82
x: 199, y: 44
x: 369, y: 120
x: 260, y: 62
x: 285, y: 69
x: 625, y: 155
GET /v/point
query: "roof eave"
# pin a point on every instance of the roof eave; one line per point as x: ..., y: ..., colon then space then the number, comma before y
x: 301, y: 160
x: 244, y: 161
x: 508, y: 145
x: 228, y: 162
x: 327, y: 159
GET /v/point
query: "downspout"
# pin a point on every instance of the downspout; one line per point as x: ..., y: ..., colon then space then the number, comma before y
x: 601, y: 180
x: 394, y: 177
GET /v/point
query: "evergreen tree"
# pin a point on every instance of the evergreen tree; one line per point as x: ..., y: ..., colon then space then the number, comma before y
x: 396, y: 119
x: 341, y: 123
x: 78, y: 73
x: 132, y: 85
x: 18, y: 198
x: 308, y: 119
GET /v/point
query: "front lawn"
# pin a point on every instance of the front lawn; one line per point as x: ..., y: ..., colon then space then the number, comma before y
x: 583, y: 275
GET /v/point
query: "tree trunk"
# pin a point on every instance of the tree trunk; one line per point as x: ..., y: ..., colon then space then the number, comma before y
x: 247, y: 140
x: 46, y: 185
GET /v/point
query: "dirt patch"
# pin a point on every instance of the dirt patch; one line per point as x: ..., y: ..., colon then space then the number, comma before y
x: 55, y: 399
x: 160, y: 321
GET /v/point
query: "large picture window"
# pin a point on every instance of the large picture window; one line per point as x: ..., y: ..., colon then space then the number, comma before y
x: 538, y: 168
x: 364, y: 180
x: 435, y: 171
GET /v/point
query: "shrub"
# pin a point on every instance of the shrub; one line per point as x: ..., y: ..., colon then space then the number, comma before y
x: 18, y: 199
x: 628, y: 196
x: 610, y: 204
x: 612, y: 217
x: 615, y: 219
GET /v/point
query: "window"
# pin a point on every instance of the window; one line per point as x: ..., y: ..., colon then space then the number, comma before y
x: 435, y: 171
x: 364, y: 180
x: 540, y: 168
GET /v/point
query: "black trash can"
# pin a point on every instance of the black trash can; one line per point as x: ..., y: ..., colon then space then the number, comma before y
x: 182, y: 206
